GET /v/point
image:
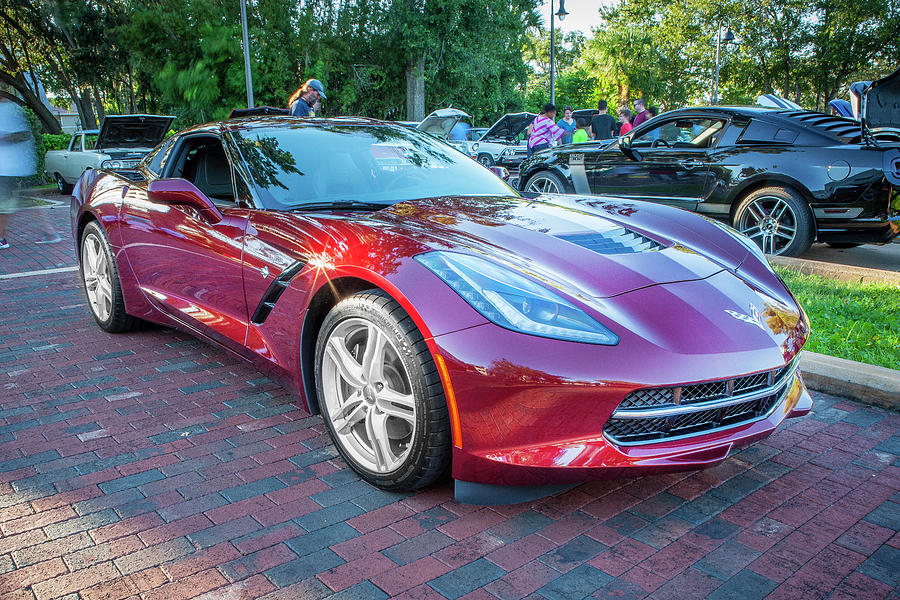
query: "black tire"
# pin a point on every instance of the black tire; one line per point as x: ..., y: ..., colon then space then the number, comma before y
x: 546, y: 181
x: 843, y: 245
x: 428, y: 448
x: 486, y: 160
x: 778, y: 219
x: 63, y: 187
x: 117, y: 320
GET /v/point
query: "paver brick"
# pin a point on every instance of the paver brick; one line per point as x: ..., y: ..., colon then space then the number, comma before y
x: 72, y: 582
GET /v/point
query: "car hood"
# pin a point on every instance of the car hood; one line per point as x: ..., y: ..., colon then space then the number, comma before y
x: 509, y: 126
x: 882, y: 102
x: 558, y: 241
x: 132, y: 131
x: 440, y: 122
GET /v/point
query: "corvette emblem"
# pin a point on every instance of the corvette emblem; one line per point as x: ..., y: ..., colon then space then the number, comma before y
x: 753, y: 318
x: 264, y: 272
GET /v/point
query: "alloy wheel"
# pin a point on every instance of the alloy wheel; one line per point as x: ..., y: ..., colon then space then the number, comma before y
x: 770, y: 222
x: 97, y: 276
x: 368, y: 395
x: 543, y: 185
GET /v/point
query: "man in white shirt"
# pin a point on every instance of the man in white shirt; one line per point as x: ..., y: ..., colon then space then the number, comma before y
x: 17, y: 159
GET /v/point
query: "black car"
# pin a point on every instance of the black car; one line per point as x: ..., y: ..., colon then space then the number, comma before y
x: 782, y: 177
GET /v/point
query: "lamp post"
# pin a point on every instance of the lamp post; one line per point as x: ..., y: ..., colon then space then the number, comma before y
x: 562, y: 15
x: 729, y: 37
x: 247, y: 74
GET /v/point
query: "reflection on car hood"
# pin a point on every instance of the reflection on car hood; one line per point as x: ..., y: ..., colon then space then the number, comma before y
x: 882, y: 102
x: 509, y: 126
x: 570, y: 245
x: 132, y: 131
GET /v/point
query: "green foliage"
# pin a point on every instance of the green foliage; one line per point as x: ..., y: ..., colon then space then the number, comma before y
x: 855, y: 321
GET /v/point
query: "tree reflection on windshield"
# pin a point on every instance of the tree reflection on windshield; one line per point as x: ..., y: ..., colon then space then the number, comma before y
x: 339, y: 162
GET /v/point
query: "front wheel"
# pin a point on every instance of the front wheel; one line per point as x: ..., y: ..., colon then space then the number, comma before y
x: 380, y: 393
x: 101, y: 282
x: 486, y: 160
x: 62, y: 186
x: 545, y: 182
x: 777, y: 219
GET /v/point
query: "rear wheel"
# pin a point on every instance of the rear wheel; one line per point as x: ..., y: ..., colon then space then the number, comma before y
x: 545, y: 182
x: 62, y: 186
x: 777, y: 219
x: 380, y: 393
x: 101, y: 282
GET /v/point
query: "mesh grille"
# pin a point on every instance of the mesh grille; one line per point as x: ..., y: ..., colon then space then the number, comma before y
x: 616, y: 241
x: 659, y: 428
x: 645, y: 398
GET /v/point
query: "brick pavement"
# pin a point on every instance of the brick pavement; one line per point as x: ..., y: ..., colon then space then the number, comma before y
x: 151, y: 465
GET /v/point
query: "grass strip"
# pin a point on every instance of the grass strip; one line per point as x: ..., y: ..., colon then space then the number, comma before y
x: 856, y: 321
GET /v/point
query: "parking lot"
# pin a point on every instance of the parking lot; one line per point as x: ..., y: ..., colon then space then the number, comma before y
x: 152, y: 465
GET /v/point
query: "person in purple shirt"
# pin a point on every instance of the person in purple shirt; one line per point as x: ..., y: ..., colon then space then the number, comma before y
x: 641, y: 113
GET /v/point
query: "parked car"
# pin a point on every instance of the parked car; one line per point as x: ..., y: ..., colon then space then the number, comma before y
x: 120, y: 143
x: 437, y: 319
x: 505, y: 143
x: 441, y: 122
x: 782, y: 177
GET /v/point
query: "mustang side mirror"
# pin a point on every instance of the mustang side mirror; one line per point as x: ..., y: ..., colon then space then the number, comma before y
x: 627, y: 150
x: 184, y: 193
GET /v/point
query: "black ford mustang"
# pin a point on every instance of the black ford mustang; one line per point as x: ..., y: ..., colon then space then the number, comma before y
x: 782, y: 177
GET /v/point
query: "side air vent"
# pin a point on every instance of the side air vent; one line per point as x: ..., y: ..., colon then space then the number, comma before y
x: 276, y: 288
x: 616, y: 241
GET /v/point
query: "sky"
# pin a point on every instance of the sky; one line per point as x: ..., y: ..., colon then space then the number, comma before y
x: 582, y: 14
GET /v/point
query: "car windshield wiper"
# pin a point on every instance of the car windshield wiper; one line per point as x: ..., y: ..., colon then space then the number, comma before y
x: 342, y: 205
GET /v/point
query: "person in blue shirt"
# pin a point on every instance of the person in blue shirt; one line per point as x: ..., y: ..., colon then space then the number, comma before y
x: 567, y: 123
x: 301, y: 102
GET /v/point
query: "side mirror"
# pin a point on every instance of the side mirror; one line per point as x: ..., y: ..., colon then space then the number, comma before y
x: 627, y: 150
x: 181, y: 192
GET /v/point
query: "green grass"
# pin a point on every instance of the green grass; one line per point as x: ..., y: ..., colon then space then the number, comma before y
x: 856, y: 321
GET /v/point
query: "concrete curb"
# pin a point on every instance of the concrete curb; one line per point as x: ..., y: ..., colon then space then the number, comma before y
x: 836, y: 271
x: 866, y: 383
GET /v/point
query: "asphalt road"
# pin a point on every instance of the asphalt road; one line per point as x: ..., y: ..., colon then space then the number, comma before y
x: 886, y: 257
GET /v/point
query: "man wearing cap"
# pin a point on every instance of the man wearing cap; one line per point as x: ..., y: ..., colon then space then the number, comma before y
x: 303, y: 99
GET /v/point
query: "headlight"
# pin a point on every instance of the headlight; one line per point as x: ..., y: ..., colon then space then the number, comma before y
x: 111, y: 164
x: 474, y: 146
x: 513, y: 301
x: 743, y: 239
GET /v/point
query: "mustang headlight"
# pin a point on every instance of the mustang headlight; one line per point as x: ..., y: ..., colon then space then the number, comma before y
x: 513, y: 301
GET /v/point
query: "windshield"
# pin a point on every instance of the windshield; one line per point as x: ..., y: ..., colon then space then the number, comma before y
x: 296, y: 165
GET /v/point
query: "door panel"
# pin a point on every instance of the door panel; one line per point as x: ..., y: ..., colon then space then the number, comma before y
x: 188, y: 267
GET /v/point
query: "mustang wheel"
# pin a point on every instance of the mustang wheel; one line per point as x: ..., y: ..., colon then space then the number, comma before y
x: 101, y: 282
x: 380, y: 393
x: 486, y: 160
x: 545, y: 182
x: 777, y: 219
x: 62, y: 186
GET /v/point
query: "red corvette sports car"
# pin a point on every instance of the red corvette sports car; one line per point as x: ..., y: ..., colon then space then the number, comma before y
x: 440, y: 321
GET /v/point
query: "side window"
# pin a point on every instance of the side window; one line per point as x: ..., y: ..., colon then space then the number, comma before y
x: 90, y: 141
x: 75, y: 143
x: 203, y: 162
x: 695, y: 132
x: 158, y: 159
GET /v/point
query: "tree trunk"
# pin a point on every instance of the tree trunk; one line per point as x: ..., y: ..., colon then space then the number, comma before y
x: 30, y: 99
x: 98, y: 104
x: 415, y: 90
x: 85, y: 109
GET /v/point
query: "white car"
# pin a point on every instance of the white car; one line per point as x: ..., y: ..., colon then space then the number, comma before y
x: 120, y: 143
x: 505, y: 143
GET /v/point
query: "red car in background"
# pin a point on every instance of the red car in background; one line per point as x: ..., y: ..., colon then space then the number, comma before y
x: 437, y: 319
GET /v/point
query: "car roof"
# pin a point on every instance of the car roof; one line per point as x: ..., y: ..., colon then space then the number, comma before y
x: 835, y: 127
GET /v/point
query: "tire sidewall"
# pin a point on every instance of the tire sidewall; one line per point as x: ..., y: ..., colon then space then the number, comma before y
x: 117, y: 305
x: 358, y: 307
x: 547, y: 175
x: 486, y: 160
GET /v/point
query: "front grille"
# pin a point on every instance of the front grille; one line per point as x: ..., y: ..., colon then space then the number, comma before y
x: 658, y: 414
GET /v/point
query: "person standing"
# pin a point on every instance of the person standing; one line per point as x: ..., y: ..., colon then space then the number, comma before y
x: 603, y: 126
x: 641, y: 113
x: 302, y: 101
x: 17, y: 159
x: 543, y: 130
x: 567, y: 123
x: 625, y: 120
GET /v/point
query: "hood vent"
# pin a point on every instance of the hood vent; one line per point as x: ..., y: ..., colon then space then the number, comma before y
x: 614, y: 241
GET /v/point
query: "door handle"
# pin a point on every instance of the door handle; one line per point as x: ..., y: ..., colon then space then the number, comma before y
x: 691, y: 164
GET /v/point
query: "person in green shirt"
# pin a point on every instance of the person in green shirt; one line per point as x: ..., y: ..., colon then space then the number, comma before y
x: 580, y: 136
